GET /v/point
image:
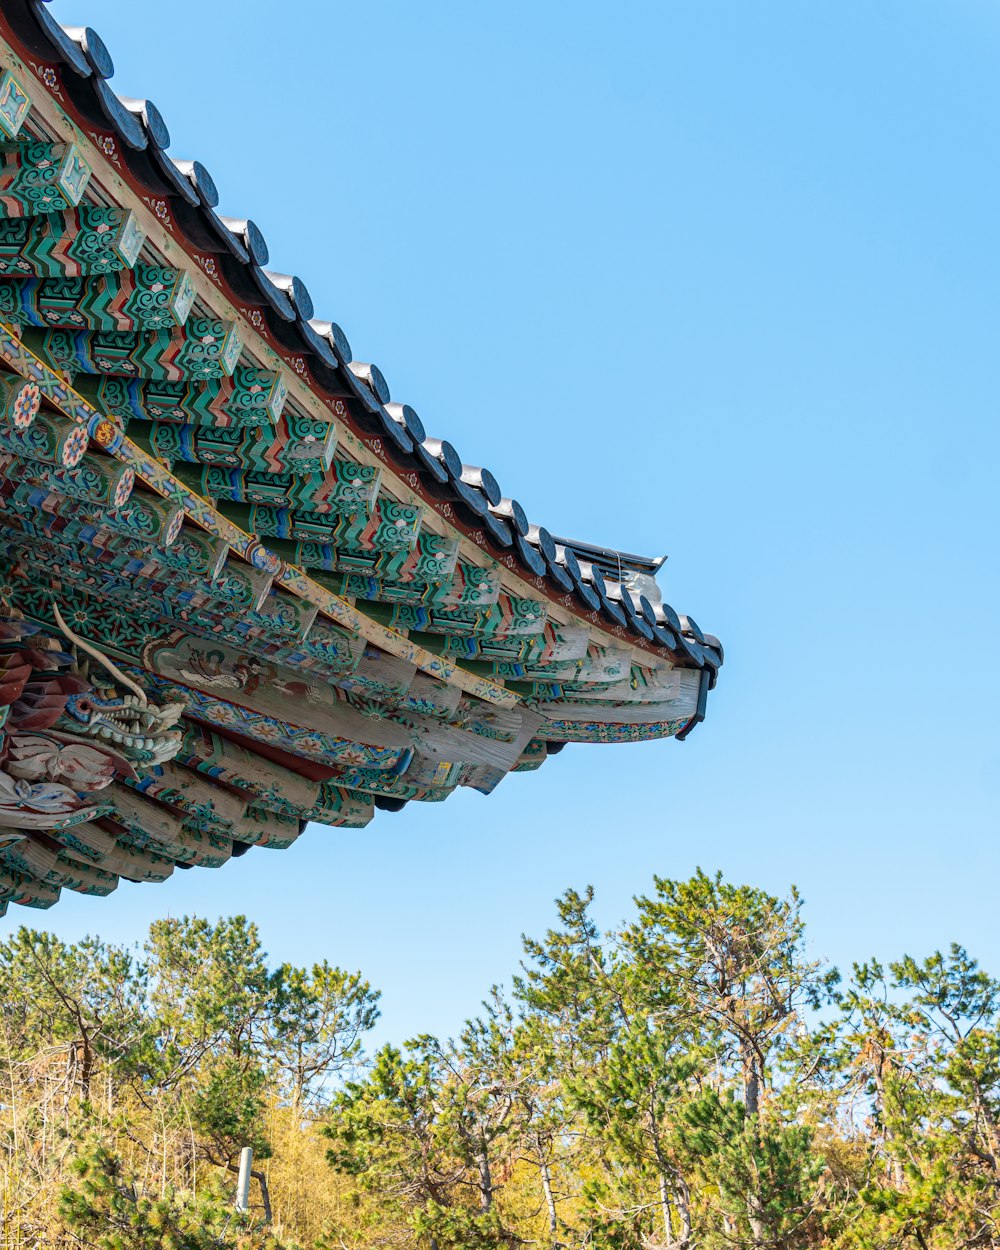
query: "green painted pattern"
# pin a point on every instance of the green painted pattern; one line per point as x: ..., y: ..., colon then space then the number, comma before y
x: 74, y: 242
x: 37, y: 177
x: 145, y: 298
x: 251, y: 398
x: 203, y: 348
x: 14, y: 104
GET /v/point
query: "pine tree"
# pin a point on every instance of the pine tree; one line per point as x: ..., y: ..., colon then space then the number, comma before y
x: 105, y: 1209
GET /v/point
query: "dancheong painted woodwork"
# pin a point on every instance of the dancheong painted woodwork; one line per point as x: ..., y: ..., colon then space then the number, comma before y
x: 241, y: 589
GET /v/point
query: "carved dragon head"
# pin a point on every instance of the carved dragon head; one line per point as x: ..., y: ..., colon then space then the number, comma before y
x: 144, y: 732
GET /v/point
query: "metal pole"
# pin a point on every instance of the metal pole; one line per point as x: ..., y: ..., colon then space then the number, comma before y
x: 243, y: 1181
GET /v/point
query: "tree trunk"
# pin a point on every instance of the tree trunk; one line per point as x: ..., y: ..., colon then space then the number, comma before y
x: 895, y: 1165
x: 682, y: 1204
x: 550, y: 1201
x: 85, y: 1062
x: 265, y: 1194
x: 751, y: 1081
x: 485, y: 1180
x: 758, y: 1226
x: 673, y: 1191
x: 668, y: 1230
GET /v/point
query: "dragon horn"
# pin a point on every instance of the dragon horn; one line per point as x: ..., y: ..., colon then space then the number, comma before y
x: 103, y: 660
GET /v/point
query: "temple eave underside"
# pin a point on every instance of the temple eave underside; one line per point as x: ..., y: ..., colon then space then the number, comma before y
x: 241, y: 590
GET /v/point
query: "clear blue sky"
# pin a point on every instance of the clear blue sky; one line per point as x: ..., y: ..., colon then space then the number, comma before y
x: 717, y: 280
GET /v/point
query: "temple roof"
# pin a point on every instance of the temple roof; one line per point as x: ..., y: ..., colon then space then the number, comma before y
x: 238, y: 515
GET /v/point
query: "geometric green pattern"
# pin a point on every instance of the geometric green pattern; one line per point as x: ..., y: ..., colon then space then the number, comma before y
x: 37, y: 177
